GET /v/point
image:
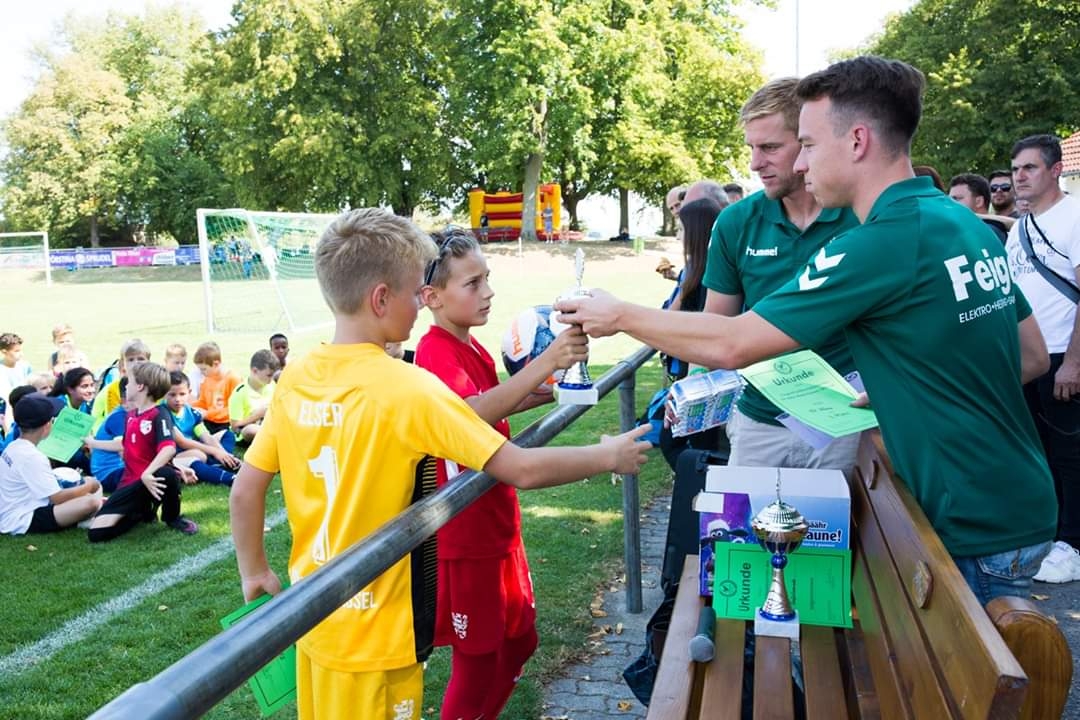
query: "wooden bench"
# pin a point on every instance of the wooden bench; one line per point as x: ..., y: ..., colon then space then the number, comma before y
x: 921, y: 647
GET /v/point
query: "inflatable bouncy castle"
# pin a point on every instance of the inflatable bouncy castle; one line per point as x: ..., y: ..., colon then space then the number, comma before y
x: 497, y: 216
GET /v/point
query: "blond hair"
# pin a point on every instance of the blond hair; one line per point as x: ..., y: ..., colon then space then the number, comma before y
x: 176, y: 350
x: 135, y: 346
x: 776, y: 96
x: 61, y: 329
x: 363, y: 248
x: 208, y: 353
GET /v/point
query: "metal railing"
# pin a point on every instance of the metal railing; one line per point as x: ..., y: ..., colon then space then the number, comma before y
x: 194, y: 684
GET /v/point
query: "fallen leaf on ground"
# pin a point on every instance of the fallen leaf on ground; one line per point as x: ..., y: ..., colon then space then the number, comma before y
x: 618, y: 628
x: 31, y: 548
x: 1040, y: 597
x: 624, y: 705
x: 1073, y: 614
x: 598, y: 613
x: 162, y: 608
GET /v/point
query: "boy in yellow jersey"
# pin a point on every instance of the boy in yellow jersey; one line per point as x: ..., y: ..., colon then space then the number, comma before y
x: 348, y: 429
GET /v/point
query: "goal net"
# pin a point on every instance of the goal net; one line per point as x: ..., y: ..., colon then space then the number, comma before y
x: 27, y: 252
x: 258, y: 270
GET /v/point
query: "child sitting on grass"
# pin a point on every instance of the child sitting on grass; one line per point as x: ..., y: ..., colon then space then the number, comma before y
x: 208, y: 455
x: 132, y: 352
x: 148, y: 481
x: 31, y: 499
x: 249, y: 401
x: 216, y: 388
x: 279, y: 345
x: 486, y: 609
x: 108, y: 465
x: 349, y: 429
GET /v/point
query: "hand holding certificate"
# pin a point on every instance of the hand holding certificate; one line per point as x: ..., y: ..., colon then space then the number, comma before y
x: 806, y: 387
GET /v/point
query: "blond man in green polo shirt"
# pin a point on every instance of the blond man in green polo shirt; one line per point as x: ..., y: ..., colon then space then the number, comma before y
x: 939, y: 332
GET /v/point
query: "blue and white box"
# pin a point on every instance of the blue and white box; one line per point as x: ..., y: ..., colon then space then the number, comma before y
x: 704, y: 400
x: 733, y: 495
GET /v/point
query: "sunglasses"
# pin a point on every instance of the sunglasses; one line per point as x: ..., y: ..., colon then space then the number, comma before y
x: 429, y: 275
x: 1003, y: 187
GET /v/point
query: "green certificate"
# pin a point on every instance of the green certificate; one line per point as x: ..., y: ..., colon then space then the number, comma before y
x: 274, y: 685
x: 805, y: 386
x: 69, y: 429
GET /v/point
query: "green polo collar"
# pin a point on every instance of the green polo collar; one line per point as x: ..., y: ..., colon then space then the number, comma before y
x: 912, y: 187
x: 774, y: 213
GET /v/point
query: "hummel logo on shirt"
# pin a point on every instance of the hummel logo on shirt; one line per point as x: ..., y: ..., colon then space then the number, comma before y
x: 763, y: 252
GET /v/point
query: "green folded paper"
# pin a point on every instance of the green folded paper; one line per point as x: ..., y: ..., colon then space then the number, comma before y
x: 69, y: 430
x: 818, y: 581
x: 274, y: 685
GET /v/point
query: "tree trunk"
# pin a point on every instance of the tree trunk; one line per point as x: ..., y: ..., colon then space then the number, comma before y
x: 668, y: 227
x: 404, y: 205
x: 95, y: 241
x: 570, y: 203
x: 624, y: 209
x: 532, y: 181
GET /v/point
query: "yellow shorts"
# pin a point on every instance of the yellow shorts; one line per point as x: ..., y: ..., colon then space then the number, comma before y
x: 323, y: 694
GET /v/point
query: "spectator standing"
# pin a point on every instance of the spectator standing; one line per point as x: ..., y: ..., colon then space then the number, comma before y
x: 1053, y: 230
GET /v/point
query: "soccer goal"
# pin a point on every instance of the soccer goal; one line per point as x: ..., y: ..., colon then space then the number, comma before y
x: 26, y: 251
x: 258, y: 270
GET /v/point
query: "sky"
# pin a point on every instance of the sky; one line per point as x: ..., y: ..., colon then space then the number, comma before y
x: 824, y: 25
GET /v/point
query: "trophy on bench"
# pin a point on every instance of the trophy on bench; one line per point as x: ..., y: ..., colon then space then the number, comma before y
x: 780, y: 529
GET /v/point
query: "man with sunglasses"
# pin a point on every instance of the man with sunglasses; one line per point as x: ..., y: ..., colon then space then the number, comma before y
x: 1002, y: 198
x: 1045, y: 241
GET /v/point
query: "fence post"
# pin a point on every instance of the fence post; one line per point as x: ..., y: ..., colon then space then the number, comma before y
x: 631, y: 503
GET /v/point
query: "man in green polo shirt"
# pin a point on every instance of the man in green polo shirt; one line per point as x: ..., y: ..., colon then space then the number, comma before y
x: 758, y: 245
x: 939, y: 332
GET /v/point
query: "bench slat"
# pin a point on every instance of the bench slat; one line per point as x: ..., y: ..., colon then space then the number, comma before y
x: 984, y: 678
x: 862, y: 700
x: 773, y: 699
x: 821, y: 673
x: 874, y: 643
x: 675, y: 676
x: 722, y: 694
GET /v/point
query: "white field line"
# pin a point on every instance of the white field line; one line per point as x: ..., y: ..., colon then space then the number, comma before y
x: 80, y: 627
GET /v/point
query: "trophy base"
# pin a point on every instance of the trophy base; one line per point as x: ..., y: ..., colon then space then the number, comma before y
x: 777, y: 628
x: 576, y: 396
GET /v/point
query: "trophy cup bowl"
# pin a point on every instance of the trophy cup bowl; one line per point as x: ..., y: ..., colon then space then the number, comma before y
x: 780, y: 529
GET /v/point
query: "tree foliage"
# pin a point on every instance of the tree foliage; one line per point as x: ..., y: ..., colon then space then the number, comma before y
x: 309, y: 105
x: 996, y: 71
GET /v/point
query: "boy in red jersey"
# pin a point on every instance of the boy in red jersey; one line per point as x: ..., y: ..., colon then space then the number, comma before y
x: 149, y: 480
x: 485, y: 611
x: 349, y: 429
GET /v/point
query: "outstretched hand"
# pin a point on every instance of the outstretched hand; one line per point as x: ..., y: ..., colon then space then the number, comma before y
x: 629, y: 449
x: 597, y: 313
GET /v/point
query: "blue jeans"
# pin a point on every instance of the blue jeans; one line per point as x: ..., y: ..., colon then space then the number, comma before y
x: 1004, y: 573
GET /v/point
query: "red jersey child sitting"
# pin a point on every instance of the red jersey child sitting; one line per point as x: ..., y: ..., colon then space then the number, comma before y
x: 485, y: 610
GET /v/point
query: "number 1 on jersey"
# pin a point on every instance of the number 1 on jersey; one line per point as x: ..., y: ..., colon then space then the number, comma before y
x: 325, y: 468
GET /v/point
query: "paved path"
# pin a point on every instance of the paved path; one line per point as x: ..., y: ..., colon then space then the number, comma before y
x: 595, y: 689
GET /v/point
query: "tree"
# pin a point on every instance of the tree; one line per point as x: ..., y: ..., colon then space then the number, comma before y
x: 996, y: 71
x: 64, y: 160
x: 323, y: 105
x: 108, y: 138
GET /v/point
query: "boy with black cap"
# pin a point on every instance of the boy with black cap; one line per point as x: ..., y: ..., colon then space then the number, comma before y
x: 31, y: 500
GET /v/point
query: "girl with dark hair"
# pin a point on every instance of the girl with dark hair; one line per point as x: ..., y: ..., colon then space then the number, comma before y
x: 77, y: 387
x: 697, y: 220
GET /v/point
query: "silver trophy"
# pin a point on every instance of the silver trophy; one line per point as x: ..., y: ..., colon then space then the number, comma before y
x: 576, y: 387
x: 780, y: 529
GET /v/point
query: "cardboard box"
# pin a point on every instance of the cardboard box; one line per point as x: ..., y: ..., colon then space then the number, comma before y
x: 733, y: 495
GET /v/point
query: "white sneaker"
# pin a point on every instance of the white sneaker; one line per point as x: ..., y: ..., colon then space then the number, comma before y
x: 1061, y: 564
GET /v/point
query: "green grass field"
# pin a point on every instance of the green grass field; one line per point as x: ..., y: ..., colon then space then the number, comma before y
x: 82, y: 623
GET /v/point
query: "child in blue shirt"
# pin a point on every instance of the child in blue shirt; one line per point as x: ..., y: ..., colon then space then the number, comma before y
x: 106, y: 465
x: 210, y: 456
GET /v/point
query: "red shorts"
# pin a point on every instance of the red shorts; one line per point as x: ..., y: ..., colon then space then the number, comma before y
x: 482, y: 602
